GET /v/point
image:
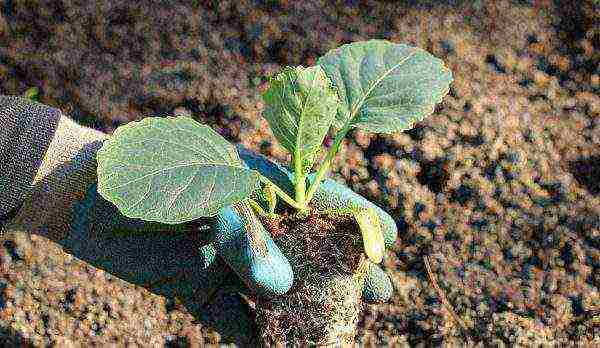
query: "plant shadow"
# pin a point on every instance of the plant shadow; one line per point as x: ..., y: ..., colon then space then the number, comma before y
x: 165, y: 261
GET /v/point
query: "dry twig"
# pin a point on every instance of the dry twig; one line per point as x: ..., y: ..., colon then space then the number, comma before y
x: 442, y: 297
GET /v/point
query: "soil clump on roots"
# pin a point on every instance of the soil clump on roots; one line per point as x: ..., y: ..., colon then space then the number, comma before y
x: 323, y: 305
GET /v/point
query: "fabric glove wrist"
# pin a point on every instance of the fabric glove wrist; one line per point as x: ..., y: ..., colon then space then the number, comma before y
x: 61, y: 203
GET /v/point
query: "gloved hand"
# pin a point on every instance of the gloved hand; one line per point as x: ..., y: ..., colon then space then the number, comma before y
x: 47, y: 190
x: 270, y: 274
x: 65, y: 206
x: 55, y: 196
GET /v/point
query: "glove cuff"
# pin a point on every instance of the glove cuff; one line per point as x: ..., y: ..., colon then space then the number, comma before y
x: 26, y: 131
x: 66, y: 172
x: 74, y: 146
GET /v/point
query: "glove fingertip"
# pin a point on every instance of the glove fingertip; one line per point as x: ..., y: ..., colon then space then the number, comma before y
x: 389, y: 228
x: 263, y: 267
x: 378, y: 286
x: 332, y: 193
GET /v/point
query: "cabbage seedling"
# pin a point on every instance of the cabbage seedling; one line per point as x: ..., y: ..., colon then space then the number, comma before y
x: 174, y: 170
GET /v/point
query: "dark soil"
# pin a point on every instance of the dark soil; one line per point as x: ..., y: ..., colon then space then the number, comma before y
x: 329, y: 268
x: 499, y: 187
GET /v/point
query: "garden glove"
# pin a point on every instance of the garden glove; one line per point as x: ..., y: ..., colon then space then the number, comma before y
x: 48, y: 187
x: 329, y: 197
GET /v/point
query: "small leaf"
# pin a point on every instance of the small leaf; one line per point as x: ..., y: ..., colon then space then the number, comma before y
x: 385, y: 87
x: 258, y: 209
x: 270, y: 197
x: 32, y: 93
x: 171, y: 170
x: 368, y: 221
x: 300, y: 107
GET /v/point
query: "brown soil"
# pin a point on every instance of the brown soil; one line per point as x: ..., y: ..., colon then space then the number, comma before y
x: 498, y: 188
x: 329, y: 268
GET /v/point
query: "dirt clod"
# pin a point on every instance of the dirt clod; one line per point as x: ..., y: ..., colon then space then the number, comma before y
x: 329, y: 269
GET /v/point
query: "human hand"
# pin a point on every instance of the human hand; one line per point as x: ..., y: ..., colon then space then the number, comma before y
x: 59, y: 201
x: 64, y: 205
x: 264, y: 268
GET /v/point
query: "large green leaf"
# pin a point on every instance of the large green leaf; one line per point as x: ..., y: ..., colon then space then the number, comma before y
x: 300, y: 107
x: 385, y: 87
x: 171, y: 170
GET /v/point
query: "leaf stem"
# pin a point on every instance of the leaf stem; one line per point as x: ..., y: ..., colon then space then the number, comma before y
x: 301, y: 190
x: 300, y: 184
x: 257, y: 208
x: 324, y: 168
x: 282, y: 194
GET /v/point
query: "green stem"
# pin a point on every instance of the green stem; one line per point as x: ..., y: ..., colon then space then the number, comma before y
x: 282, y: 194
x: 300, y: 180
x: 257, y: 208
x: 301, y: 191
x: 324, y: 169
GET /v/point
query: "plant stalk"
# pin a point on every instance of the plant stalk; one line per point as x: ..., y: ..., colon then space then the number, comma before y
x: 324, y: 168
x: 301, y: 190
x: 300, y: 184
x: 282, y: 194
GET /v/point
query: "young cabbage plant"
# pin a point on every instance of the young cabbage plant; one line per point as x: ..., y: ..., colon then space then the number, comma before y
x: 174, y: 170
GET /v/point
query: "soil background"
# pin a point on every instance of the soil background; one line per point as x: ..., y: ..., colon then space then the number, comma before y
x: 500, y: 187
